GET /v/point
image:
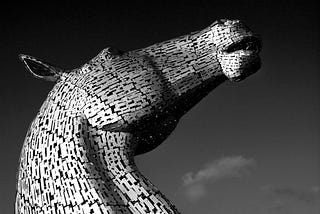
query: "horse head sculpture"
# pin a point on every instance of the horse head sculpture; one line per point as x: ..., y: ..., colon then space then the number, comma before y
x: 78, y: 155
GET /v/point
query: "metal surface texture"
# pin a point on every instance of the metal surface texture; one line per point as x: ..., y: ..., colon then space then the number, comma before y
x: 78, y: 155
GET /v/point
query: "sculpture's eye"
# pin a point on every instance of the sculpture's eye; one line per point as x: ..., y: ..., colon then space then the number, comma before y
x: 115, y: 51
x: 219, y: 22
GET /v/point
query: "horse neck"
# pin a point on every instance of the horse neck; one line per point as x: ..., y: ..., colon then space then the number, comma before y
x: 112, y: 154
x: 67, y: 162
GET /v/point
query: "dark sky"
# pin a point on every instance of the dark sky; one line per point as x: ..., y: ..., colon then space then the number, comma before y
x: 250, y: 147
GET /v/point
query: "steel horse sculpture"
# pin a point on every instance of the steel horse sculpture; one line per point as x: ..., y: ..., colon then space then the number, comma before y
x: 78, y: 155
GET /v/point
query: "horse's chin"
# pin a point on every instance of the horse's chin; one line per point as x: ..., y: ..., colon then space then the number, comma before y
x: 238, y: 65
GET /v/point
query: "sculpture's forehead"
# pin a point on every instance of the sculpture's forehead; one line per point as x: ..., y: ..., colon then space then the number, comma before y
x: 105, y: 57
x: 127, y: 73
x: 110, y: 65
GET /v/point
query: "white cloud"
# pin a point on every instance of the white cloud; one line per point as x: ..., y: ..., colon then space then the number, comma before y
x: 234, y: 166
x: 195, y: 183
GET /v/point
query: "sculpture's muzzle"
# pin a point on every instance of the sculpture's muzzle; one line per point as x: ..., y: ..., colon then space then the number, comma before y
x: 237, y: 48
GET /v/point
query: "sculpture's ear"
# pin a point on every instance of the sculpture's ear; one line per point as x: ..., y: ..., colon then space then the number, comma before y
x: 41, y: 69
